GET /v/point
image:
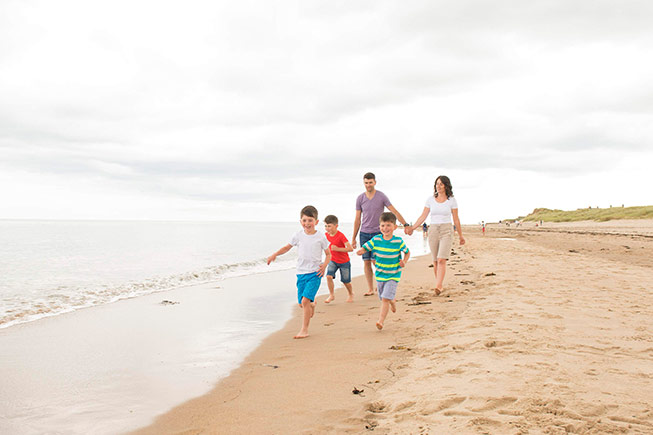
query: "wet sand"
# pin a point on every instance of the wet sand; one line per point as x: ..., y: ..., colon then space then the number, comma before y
x: 539, y: 330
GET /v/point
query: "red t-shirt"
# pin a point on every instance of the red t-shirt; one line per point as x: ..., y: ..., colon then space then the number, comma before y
x: 338, y: 240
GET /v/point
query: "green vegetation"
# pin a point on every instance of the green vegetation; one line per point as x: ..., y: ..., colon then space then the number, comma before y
x: 589, y: 214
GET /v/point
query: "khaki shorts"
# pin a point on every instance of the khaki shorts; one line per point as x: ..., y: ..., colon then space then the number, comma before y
x: 440, y: 239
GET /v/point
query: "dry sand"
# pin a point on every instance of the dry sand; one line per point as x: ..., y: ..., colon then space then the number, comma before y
x: 537, y: 332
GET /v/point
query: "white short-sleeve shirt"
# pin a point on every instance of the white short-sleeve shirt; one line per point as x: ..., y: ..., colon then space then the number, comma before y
x: 310, y: 249
x: 441, y: 212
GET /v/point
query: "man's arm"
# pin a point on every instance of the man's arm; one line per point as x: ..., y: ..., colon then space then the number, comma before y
x: 357, y: 226
x: 400, y: 218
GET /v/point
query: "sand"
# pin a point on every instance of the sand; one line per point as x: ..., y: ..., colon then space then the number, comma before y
x: 539, y: 330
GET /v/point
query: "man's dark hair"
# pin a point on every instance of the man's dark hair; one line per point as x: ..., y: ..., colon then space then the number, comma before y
x: 309, y: 211
x: 369, y: 176
x: 331, y: 219
x: 388, y: 217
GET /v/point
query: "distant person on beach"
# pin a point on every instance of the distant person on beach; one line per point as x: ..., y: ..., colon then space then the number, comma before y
x: 388, y: 249
x: 339, y: 247
x: 369, y: 206
x: 442, y: 207
x: 483, y: 227
x: 310, y: 244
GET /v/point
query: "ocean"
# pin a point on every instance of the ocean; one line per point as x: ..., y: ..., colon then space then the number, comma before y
x: 85, y: 336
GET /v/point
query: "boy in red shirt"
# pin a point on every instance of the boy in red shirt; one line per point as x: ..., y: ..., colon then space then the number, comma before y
x: 339, y: 246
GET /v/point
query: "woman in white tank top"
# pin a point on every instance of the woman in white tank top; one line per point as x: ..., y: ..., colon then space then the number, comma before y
x: 442, y: 207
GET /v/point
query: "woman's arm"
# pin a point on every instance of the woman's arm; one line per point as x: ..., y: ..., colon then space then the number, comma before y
x: 420, y: 220
x: 456, y: 221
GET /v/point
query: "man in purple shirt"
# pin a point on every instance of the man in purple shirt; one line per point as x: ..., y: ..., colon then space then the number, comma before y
x: 369, y: 206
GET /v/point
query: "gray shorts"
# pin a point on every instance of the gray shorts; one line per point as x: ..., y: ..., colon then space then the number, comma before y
x: 440, y: 240
x: 387, y: 289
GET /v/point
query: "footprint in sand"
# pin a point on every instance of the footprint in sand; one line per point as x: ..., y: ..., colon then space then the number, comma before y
x: 495, y: 403
x: 445, y: 404
x: 378, y: 407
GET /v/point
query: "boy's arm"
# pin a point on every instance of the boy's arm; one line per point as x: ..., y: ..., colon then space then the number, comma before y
x: 403, y: 261
x: 281, y: 251
x: 324, y: 265
x: 347, y: 248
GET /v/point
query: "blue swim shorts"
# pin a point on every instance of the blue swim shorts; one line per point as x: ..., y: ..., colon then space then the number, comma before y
x: 307, y: 286
x: 364, y: 238
x: 345, y: 271
x: 387, y: 289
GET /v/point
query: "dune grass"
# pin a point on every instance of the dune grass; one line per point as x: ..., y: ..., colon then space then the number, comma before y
x: 590, y: 214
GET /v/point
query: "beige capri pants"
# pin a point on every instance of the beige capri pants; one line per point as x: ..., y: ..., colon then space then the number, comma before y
x: 440, y: 239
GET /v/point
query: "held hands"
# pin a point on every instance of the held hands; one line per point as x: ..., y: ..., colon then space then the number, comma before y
x: 408, y: 230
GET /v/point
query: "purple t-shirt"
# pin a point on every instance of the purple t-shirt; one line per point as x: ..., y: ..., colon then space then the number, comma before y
x: 371, y: 210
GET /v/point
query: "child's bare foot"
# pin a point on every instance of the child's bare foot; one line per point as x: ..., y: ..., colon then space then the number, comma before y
x: 369, y: 293
x: 301, y: 334
x: 438, y: 291
x: 329, y: 299
x: 379, y: 326
x: 350, y: 298
x: 393, y: 306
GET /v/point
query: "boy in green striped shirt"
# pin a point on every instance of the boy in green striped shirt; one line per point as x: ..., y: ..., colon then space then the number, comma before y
x: 387, y: 249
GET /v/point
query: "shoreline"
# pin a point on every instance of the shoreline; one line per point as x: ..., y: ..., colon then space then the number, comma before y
x: 520, y: 340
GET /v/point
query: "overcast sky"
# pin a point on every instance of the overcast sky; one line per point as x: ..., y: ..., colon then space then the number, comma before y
x: 250, y: 110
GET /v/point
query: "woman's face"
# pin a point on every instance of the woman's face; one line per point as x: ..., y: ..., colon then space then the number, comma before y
x: 439, y: 186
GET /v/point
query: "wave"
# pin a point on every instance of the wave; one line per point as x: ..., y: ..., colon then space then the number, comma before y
x: 67, y: 299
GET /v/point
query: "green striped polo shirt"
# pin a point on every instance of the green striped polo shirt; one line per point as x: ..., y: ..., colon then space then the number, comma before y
x: 388, y: 254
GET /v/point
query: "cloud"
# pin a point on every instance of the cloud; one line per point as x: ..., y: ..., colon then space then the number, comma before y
x: 258, y: 102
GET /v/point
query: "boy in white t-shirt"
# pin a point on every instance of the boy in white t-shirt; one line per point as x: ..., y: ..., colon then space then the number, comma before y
x: 311, y: 243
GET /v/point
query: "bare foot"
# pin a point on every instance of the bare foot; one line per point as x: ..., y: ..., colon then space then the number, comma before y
x: 438, y: 291
x: 393, y: 306
x: 329, y: 299
x: 369, y: 293
x: 301, y: 335
x: 350, y: 299
x: 379, y: 326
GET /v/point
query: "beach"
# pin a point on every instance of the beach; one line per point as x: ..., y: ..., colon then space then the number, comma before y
x: 539, y: 330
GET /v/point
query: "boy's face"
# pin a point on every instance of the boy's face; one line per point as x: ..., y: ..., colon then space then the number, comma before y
x: 308, y: 223
x: 332, y: 229
x: 387, y: 228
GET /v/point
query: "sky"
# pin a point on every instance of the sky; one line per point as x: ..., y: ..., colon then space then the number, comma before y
x: 249, y: 110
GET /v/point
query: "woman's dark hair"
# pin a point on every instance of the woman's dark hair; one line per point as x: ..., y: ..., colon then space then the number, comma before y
x: 447, y: 186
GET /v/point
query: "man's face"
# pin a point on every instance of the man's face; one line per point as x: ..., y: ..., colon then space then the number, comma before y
x: 387, y: 228
x: 369, y: 184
